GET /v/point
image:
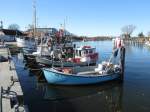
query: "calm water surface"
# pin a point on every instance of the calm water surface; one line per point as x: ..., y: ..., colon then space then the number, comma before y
x: 131, y: 96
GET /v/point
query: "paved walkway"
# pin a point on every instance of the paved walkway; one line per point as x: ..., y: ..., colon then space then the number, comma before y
x: 5, y: 81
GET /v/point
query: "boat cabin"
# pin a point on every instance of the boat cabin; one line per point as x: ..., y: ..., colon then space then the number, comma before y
x: 84, y: 51
x: 86, y: 54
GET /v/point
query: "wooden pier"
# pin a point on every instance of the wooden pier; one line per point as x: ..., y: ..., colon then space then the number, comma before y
x: 11, y: 97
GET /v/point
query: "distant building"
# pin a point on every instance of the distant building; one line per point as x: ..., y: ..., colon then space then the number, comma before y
x: 9, y: 35
x: 42, y: 32
x: 47, y: 31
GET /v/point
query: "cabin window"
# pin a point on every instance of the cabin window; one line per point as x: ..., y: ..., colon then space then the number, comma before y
x: 94, y: 50
x: 79, y: 53
x: 90, y: 51
x: 76, y: 52
x: 82, y: 53
x: 86, y: 52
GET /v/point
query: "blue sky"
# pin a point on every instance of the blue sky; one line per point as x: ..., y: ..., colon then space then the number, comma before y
x: 83, y: 17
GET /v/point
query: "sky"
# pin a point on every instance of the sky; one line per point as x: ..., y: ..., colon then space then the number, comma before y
x: 82, y: 17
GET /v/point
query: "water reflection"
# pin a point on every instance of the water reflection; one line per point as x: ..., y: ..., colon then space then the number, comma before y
x: 131, y: 47
x: 148, y: 47
x: 109, y: 93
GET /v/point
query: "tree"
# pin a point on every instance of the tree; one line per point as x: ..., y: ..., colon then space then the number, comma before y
x: 14, y: 27
x: 141, y: 35
x: 128, y: 30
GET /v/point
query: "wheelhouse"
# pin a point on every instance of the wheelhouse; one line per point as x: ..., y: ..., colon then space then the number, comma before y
x: 84, y: 51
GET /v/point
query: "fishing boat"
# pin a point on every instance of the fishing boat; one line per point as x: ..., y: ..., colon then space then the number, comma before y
x: 29, y: 42
x: 82, y: 75
x: 26, y: 42
x: 41, y: 50
x: 70, y: 56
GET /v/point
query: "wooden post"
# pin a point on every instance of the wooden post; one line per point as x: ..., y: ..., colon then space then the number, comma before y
x: 122, y: 62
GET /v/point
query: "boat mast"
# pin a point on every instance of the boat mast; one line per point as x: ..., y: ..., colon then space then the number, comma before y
x: 64, y: 34
x: 64, y: 29
x: 34, y: 18
x: 1, y: 22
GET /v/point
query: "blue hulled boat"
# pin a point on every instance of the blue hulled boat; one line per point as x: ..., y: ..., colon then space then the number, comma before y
x: 81, y: 75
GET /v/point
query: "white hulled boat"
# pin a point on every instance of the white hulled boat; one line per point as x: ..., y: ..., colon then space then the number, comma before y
x: 26, y: 42
x: 147, y: 43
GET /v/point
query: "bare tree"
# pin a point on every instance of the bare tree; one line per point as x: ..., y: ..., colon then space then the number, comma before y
x: 128, y: 30
x: 141, y: 35
x: 14, y: 27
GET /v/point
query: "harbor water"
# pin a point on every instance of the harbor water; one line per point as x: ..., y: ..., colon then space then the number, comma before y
x: 130, y: 96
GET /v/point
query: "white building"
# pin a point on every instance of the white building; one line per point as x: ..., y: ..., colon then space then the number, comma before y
x: 9, y: 35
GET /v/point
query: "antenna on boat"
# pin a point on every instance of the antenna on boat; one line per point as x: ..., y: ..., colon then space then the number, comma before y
x: 64, y: 29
